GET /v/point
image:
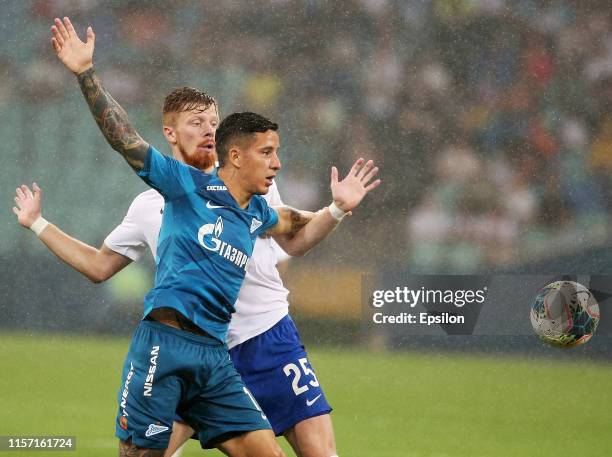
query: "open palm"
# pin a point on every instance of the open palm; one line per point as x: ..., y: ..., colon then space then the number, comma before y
x: 75, y: 54
x: 349, y: 192
x: 27, y: 204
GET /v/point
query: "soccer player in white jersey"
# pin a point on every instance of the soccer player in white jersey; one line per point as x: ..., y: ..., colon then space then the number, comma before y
x: 261, y: 323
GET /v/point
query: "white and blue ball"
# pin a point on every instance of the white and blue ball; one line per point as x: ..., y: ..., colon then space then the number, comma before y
x: 565, y: 314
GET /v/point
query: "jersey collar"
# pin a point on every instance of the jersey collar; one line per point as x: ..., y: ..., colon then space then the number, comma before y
x: 216, y: 191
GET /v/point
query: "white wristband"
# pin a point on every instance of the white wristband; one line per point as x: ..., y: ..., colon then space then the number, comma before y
x: 336, y: 212
x: 39, y: 225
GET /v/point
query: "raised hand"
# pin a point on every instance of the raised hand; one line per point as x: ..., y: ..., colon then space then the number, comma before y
x: 349, y: 192
x: 108, y: 114
x: 75, y: 54
x: 28, y: 204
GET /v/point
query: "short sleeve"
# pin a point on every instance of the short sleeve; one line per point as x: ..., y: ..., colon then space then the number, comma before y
x: 268, y: 215
x: 127, y: 238
x: 168, y: 176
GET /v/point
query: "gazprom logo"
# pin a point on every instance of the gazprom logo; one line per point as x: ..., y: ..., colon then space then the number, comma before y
x: 209, y: 234
x: 218, y: 227
x: 209, y: 237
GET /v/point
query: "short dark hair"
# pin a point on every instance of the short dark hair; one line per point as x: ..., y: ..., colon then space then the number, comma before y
x: 185, y: 99
x: 237, y: 126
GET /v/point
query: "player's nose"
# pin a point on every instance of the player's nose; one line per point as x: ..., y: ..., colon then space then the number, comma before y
x: 275, y: 163
x: 208, y: 129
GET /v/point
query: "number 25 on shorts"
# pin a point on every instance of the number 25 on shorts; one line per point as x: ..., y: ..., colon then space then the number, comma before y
x: 293, y: 369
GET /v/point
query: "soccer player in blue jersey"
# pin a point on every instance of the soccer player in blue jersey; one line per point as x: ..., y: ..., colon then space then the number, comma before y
x: 264, y: 344
x: 177, y: 360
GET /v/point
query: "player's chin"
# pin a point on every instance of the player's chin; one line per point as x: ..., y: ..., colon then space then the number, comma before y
x: 263, y: 188
x: 201, y: 161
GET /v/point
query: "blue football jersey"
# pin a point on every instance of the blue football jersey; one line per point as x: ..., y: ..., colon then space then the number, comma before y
x: 204, y: 243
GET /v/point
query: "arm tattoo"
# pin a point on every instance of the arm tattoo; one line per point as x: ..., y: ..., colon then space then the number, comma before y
x: 113, y: 121
x: 298, y: 220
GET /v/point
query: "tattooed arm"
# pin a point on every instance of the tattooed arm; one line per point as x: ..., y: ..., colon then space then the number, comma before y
x: 290, y: 220
x: 113, y: 121
x: 299, y: 231
x: 108, y: 114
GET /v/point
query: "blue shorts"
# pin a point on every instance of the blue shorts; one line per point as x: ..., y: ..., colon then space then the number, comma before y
x: 170, y: 371
x: 275, y: 368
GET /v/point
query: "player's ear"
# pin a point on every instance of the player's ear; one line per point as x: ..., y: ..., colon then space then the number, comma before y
x: 170, y: 134
x: 234, y: 156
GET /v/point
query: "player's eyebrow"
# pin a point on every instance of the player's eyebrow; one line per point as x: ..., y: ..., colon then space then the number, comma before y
x: 201, y: 116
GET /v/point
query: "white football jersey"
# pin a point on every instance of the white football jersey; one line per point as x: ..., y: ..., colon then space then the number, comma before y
x: 262, y: 300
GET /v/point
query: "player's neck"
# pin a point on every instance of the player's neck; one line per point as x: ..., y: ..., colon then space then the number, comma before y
x: 235, y: 187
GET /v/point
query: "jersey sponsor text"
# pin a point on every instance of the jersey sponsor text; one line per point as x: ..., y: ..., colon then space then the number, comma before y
x: 208, y: 236
x: 126, y: 391
x: 148, y: 385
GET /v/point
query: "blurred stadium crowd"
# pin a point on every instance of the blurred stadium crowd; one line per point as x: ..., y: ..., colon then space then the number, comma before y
x: 491, y: 119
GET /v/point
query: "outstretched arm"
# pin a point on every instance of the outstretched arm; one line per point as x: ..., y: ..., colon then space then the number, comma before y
x: 108, y: 114
x: 96, y: 264
x: 297, y: 232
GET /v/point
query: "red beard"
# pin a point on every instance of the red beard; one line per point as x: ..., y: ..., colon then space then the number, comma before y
x: 201, y: 161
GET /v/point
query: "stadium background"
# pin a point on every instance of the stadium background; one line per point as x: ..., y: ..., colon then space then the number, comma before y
x: 491, y: 121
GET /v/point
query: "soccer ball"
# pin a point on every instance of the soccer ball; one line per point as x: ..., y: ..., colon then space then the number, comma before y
x: 565, y: 314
